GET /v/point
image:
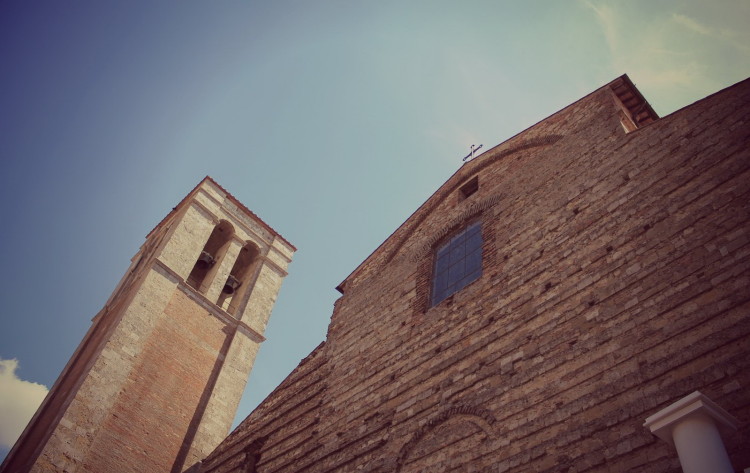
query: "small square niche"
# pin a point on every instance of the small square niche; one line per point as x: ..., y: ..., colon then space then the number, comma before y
x: 470, y: 187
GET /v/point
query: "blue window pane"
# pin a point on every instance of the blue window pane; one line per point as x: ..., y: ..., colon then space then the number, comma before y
x: 443, y: 251
x: 473, y: 242
x: 438, y: 295
x: 474, y: 262
x: 458, y: 286
x: 441, y: 283
x: 456, y: 272
x: 448, y: 291
x: 457, y: 253
x: 471, y: 276
x: 442, y: 264
x: 457, y: 263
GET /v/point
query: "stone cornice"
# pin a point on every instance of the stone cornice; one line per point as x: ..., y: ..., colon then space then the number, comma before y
x: 212, y: 308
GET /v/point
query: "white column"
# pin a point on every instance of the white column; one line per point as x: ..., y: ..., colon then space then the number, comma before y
x: 691, y: 426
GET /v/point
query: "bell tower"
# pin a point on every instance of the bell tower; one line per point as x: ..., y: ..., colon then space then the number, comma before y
x: 156, y: 381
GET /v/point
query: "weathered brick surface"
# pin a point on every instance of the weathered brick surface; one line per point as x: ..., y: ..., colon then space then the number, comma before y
x: 290, y: 416
x: 222, y: 406
x: 615, y: 282
x: 101, y: 390
x: 186, y: 240
x: 156, y: 382
x: 145, y: 427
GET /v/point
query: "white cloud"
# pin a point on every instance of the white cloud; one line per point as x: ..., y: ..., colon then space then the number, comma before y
x: 609, y: 22
x: 691, y: 24
x: 733, y: 38
x: 19, y: 401
x: 674, y: 57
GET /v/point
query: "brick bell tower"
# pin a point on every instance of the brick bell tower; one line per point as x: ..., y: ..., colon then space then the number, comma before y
x: 156, y: 381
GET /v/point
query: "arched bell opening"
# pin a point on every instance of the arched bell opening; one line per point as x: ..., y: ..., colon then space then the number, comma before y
x: 211, y: 254
x: 239, y: 277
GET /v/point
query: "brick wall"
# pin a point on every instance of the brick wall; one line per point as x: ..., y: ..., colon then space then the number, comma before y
x: 145, y: 427
x: 614, y: 283
x: 289, y: 417
x: 101, y: 384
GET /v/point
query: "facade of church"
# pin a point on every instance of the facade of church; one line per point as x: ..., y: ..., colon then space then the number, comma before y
x: 573, y: 299
x: 552, y: 295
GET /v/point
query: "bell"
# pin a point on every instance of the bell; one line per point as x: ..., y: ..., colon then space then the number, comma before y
x: 231, y: 285
x: 205, y: 260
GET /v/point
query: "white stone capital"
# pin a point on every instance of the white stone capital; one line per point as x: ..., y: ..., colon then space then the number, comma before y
x: 691, y: 426
x: 663, y: 422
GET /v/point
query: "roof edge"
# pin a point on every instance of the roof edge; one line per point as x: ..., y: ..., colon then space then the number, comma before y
x: 232, y: 198
x: 626, y: 82
x: 242, y: 206
x: 641, y: 112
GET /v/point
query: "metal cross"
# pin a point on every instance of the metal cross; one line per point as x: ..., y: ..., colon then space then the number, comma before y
x: 473, y: 150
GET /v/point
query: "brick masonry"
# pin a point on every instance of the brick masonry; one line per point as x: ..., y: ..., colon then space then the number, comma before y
x: 615, y: 282
x: 155, y: 383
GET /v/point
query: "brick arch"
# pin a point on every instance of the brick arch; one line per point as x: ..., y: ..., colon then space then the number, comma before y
x: 213, y: 251
x: 240, y: 278
x: 475, y: 209
x: 425, y: 264
x: 457, y: 415
x: 469, y: 174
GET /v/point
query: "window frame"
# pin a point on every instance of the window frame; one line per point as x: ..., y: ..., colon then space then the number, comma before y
x: 450, y: 276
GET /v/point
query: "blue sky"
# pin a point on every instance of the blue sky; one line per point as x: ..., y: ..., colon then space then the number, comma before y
x: 332, y: 120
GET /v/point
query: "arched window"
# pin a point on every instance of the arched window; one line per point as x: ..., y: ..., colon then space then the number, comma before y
x: 212, y: 252
x: 239, y: 278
